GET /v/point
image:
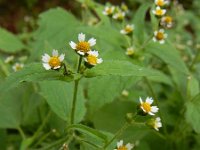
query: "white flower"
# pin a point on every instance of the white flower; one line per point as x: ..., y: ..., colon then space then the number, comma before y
x: 119, y: 15
x: 17, y: 66
x: 54, y: 61
x: 108, y: 10
x: 128, y: 29
x: 157, y: 123
x: 161, y: 2
x: 160, y: 36
x: 83, y: 47
x: 120, y: 146
x: 166, y: 21
x: 146, y: 106
x: 130, y: 51
x: 159, y: 12
x: 92, y: 58
x: 9, y: 59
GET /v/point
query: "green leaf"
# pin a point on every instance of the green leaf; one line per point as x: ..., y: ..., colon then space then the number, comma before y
x: 89, y: 131
x: 101, y: 93
x: 11, y: 106
x: 9, y: 42
x: 57, y: 28
x: 168, y: 54
x: 193, y: 87
x: 59, y: 96
x: 124, y: 68
x: 30, y: 73
x: 139, y: 22
x: 193, y: 112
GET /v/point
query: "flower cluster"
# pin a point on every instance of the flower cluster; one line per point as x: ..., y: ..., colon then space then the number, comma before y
x: 116, y: 12
x: 82, y: 47
x: 15, y: 66
x: 151, y: 110
x: 165, y: 21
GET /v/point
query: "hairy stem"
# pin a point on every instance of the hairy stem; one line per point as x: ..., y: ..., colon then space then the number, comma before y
x: 76, y: 82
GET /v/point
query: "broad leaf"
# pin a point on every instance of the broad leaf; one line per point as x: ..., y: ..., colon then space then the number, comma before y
x: 193, y: 112
x: 9, y: 42
x: 33, y: 73
x: 59, y: 96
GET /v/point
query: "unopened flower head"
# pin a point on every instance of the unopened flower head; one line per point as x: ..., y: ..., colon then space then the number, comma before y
x: 161, y: 3
x: 166, y: 21
x: 17, y: 66
x: 9, y: 59
x: 119, y: 15
x: 128, y: 29
x: 159, y: 12
x: 125, y: 93
x: 83, y: 47
x: 160, y: 36
x: 92, y: 58
x: 124, y: 7
x: 157, y: 123
x: 146, y: 106
x: 121, y: 146
x: 54, y: 61
x: 130, y: 51
x: 108, y: 10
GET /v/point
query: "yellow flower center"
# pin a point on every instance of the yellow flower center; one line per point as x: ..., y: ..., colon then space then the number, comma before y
x: 54, y: 61
x: 159, y: 12
x: 146, y: 106
x: 18, y: 67
x: 160, y: 3
x: 122, y: 148
x: 168, y: 19
x: 128, y: 29
x: 83, y: 46
x: 109, y: 11
x: 160, y: 36
x: 92, y: 59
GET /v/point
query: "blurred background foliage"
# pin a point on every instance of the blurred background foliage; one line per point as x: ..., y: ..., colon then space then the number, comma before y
x: 36, y: 27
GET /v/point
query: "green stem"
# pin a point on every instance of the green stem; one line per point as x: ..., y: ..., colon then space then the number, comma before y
x: 76, y: 82
x: 156, y: 101
x: 146, y: 42
x: 21, y: 133
x: 41, y: 126
x: 118, y: 133
x: 195, y: 59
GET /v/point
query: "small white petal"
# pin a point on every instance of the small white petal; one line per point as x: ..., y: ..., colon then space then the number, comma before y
x: 45, y: 58
x: 123, y: 31
x: 85, y: 59
x: 154, y: 109
x: 150, y: 113
x: 154, y: 39
x: 140, y: 100
x: 73, y: 45
x: 80, y: 52
x: 92, y: 41
x: 164, y: 11
x: 94, y: 53
x: 99, y: 61
x: 129, y: 146
x: 46, y: 66
x: 55, y: 52
x: 162, y: 41
x: 153, y: 11
x: 162, y: 30
x: 120, y: 143
x: 155, y: 33
x: 149, y: 100
x: 56, y: 67
x: 81, y: 37
x: 61, y: 57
